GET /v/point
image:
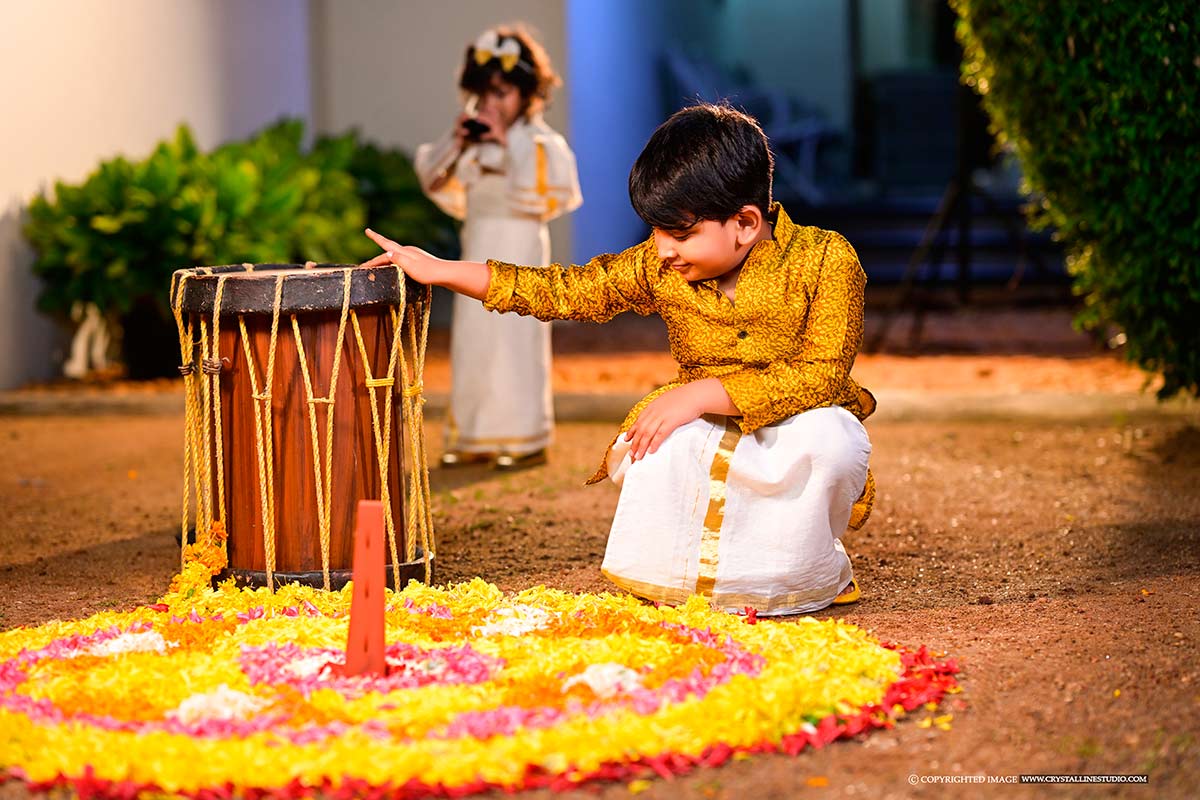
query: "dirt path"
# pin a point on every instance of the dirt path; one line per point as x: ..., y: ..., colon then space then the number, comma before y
x: 1057, y: 561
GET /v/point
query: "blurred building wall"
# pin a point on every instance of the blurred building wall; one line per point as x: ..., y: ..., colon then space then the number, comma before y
x: 885, y: 35
x: 619, y: 95
x: 800, y: 46
x: 86, y: 80
x: 391, y: 68
x: 617, y: 101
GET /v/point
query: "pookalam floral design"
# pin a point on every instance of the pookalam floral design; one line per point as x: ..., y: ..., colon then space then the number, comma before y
x: 228, y: 692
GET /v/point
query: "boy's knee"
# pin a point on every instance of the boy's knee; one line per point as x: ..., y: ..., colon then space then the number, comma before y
x: 838, y: 442
x: 685, y: 442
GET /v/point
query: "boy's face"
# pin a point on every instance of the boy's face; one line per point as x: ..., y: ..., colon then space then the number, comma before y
x: 708, y: 249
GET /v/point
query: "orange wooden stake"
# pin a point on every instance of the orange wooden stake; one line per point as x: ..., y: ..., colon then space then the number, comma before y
x: 365, y: 645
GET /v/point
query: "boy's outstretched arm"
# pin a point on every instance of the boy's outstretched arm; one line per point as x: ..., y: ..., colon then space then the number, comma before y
x: 676, y: 407
x: 465, y: 277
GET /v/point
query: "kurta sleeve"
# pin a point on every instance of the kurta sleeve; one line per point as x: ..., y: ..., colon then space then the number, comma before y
x: 431, y: 162
x: 819, y: 374
x: 596, y: 291
x: 543, y: 181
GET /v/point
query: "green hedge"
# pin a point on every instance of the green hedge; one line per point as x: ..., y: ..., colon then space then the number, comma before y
x: 396, y: 205
x: 1101, y: 99
x: 115, y: 238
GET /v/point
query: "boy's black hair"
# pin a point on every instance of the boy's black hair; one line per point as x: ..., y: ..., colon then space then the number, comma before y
x: 705, y: 162
x: 533, y: 74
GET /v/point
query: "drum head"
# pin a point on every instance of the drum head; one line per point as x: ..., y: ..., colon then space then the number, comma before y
x: 250, y: 288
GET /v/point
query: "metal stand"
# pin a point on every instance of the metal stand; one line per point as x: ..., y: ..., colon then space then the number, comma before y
x: 954, y: 208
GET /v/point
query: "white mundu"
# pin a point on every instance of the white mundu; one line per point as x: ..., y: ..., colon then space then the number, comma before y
x: 500, y: 398
x: 749, y: 520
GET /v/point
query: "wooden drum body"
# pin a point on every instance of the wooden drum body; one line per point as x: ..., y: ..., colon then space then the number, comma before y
x: 303, y: 398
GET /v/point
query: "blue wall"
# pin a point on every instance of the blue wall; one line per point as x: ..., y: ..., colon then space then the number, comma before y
x: 614, y: 107
x: 616, y: 96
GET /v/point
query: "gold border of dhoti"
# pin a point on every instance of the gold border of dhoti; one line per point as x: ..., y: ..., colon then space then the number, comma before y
x: 710, y: 535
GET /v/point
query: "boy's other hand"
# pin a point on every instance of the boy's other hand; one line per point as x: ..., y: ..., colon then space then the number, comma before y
x: 416, y: 263
x: 660, y: 418
x: 673, y: 408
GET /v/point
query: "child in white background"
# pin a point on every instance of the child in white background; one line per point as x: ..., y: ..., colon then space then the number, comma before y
x: 505, y: 173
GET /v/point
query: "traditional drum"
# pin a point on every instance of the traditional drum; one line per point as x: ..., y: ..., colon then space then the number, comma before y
x: 303, y: 386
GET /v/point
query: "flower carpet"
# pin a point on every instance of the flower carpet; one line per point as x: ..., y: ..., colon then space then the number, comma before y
x: 229, y: 692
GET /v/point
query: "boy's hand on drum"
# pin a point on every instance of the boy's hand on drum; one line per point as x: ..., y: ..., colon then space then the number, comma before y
x: 465, y: 277
x: 416, y: 263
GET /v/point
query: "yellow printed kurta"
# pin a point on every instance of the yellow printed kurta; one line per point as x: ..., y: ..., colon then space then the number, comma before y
x: 785, y: 346
x: 748, y: 511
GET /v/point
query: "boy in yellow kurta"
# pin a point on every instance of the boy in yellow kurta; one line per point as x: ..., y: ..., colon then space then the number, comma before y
x: 739, y: 477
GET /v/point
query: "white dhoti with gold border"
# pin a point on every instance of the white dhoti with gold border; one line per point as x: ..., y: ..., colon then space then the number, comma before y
x: 750, y: 520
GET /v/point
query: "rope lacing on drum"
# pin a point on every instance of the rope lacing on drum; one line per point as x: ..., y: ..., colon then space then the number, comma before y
x: 263, y: 431
x: 203, y: 420
x: 383, y: 437
x: 323, y: 473
x: 191, y: 474
x: 202, y: 416
x: 420, y: 520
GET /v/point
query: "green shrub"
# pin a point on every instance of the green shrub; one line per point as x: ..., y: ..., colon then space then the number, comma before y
x: 396, y: 206
x: 383, y: 179
x: 112, y: 238
x: 115, y: 239
x: 286, y: 204
x: 1101, y: 99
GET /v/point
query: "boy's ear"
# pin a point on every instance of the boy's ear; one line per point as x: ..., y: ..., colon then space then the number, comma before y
x: 749, y: 221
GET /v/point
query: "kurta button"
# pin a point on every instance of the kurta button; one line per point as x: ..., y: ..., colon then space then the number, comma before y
x: 743, y: 334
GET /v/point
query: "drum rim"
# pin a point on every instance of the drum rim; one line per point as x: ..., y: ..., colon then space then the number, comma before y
x: 193, y: 290
x: 408, y: 570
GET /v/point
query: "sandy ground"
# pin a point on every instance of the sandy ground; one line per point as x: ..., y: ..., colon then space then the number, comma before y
x: 1054, y: 558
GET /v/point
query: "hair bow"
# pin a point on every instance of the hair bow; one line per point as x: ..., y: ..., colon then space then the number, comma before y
x: 489, y: 46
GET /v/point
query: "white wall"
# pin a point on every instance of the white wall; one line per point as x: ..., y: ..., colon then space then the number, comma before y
x: 85, y: 80
x: 390, y: 68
